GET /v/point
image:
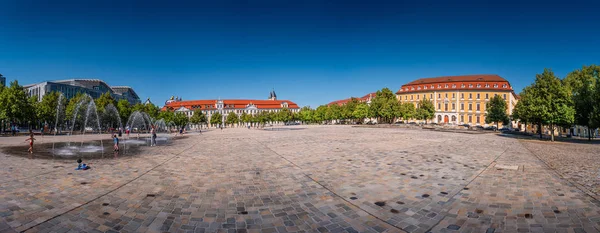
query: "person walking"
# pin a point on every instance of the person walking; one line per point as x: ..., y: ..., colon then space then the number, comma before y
x: 153, y: 133
x: 116, y: 142
x: 30, y: 139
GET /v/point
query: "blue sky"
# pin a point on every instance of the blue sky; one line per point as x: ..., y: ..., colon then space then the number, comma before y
x: 311, y: 52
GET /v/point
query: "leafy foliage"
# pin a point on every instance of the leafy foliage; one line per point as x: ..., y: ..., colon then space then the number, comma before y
x: 496, y: 110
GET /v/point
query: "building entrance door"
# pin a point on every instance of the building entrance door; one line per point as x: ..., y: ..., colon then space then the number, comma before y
x: 446, y: 119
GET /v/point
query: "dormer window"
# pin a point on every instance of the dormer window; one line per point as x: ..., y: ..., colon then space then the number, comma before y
x: 470, y: 85
x: 462, y: 85
x: 487, y: 85
x: 432, y: 87
x: 446, y: 86
x: 419, y: 88
x: 496, y: 85
x: 504, y: 85
x: 453, y: 85
x: 478, y: 85
x: 439, y: 85
x: 425, y: 87
x: 412, y: 88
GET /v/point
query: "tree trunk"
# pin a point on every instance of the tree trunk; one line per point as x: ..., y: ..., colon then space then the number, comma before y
x: 552, y: 132
x: 540, y: 129
x: 496, y: 126
x: 589, y: 133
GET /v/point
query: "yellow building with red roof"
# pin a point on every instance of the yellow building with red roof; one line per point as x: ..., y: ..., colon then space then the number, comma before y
x: 459, y: 99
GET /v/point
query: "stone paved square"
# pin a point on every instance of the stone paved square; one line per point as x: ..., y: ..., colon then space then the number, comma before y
x: 310, y: 179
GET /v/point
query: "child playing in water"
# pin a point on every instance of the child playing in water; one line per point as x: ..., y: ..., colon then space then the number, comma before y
x: 30, y: 139
x: 116, y: 141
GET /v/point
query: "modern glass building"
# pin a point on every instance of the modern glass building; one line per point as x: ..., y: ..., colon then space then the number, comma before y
x: 93, y: 87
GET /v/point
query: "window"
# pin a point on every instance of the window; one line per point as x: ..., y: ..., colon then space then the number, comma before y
x: 470, y: 85
x: 462, y: 85
x: 439, y: 96
x: 446, y: 86
x: 432, y: 87
x: 453, y: 85
x: 462, y: 106
x: 495, y: 85
x: 462, y: 118
x: 418, y: 96
x: 470, y: 107
x: 478, y: 107
x: 462, y: 95
x: 478, y: 85
x: 439, y: 106
x: 487, y: 85
x: 504, y: 96
x: 446, y: 95
x: 424, y: 96
x: 430, y: 96
x: 419, y: 88
x: 477, y: 95
x: 453, y: 95
x: 411, y: 97
x: 445, y: 107
x: 453, y: 106
x: 486, y: 96
x: 470, y: 119
x: 470, y: 96
x: 504, y: 85
x: 412, y: 88
x: 477, y: 118
x: 405, y: 97
x: 439, y: 85
x: 425, y: 87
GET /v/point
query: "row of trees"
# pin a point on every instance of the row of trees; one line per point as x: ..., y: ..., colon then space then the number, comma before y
x: 17, y: 108
x: 554, y: 102
x: 384, y: 106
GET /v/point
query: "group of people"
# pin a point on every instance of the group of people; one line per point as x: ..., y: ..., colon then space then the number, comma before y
x: 116, y: 138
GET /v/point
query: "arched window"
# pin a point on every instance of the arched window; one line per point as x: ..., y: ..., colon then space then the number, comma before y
x: 453, y: 118
x: 439, y: 118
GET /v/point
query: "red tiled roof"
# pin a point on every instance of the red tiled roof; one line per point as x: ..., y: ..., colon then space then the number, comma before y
x: 361, y: 99
x: 231, y: 104
x: 466, y: 82
x: 461, y: 78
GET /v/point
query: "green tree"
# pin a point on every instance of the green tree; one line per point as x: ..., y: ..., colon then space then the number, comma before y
x: 553, y: 99
x: 284, y: 115
x: 245, y: 118
x: 15, y: 105
x: 47, y: 109
x: 152, y: 110
x: 496, y: 111
x: 306, y: 114
x: 232, y: 119
x: 180, y: 120
x: 425, y: 111
x: 320, y: 113
x: 167, y: 116
x: 348, y: 109
x: 124, y: 108
x: 216, y: 119
x: 583, y: 84
x: 198, y: 118
x: 384, y: 106
x: 104, y: 100
x: 361, y: 112
x: 407, y: 111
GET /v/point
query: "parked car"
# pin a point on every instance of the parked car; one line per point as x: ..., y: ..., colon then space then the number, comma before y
x: 490, y: 128
x: 412, y: 123
x: 479, y: 127
x: 371, y: 123
x: 399, y: 122
x: 465, y: 125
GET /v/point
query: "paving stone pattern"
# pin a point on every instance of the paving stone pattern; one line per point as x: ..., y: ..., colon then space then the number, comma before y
x: 317, y: 179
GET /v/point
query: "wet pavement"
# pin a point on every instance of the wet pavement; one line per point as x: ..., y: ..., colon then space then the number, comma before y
x: 319, y: 179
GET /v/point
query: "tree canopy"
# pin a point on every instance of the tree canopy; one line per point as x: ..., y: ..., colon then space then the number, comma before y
x: 496, y: 111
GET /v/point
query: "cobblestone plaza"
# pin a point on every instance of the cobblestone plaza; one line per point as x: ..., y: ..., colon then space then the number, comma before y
x: 309, y: 179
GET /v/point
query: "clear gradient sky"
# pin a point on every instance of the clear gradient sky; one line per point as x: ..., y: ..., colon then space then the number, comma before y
x: 311, y: 52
